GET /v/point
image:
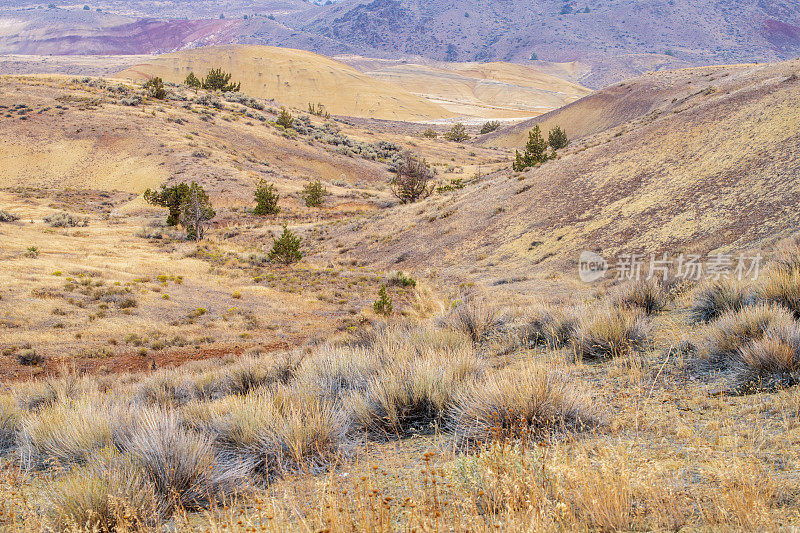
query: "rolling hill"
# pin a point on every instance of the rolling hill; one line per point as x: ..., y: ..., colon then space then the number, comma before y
x: 394, y: 90
x: 708, y: 163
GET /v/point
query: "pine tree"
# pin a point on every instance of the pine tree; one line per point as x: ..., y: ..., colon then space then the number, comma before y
x: 314, y: 194
x: 195, y: 211
x: 535, y: 151
x: 383, y: 305
x: 219, y: 80
x: 557, y: 139
x: 266, y: 199
x: 285, y: 119
x: 193, y: 82
x: 458, y: 133
x: 286, y: 248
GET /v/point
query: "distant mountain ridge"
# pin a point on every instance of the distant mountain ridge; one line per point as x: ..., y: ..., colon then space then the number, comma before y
x: 613, y: 40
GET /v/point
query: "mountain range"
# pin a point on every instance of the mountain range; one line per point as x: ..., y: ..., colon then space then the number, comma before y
x: 610, y: 41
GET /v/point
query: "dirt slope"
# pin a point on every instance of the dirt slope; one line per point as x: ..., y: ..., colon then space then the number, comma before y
x: 295, y: 78
x: 481, y: 90
x: 715, y: 171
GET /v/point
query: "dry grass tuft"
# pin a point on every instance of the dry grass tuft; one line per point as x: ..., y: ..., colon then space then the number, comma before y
x: 647, y: 295
x: 721, y: 339
x: 552, y: 328
x: 179, y: 462
x: 109, y: 495
x: 770, y: 363
x: 66, y: 433
x: 781, y: 285
x: 411, y: 395
x: 476, y: 318
x: 717, y: 298
x: 526, y: 400
x: 611, y: 332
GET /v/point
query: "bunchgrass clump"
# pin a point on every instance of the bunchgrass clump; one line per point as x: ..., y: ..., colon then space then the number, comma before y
x: 610, y: 333
x: 476, y: 318
x: 547, y: 327
x: 770, y: 363
x: 721, y: 339
x: 110, y: 494
x: 411, y: 396
x: 781, y: 285
x: 647, y: 295
x: 525, y: 400
x: 717, y: 298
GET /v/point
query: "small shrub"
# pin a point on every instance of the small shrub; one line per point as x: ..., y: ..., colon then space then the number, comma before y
x: 490, y: 126
x: 430, y: 133
x: 65, y: 220
x: 314, y: 194
x: 525, y: 400
x: 458, y: 133
x: 719, y: 297
x: 383, y: 305
x: 32, y: 252
x: 401, y: 279
x: 286, y: 248
x: 5, y: 216
x: 29, y: 357
x: 610, y: 333
x: 155, y: 88
x: 285, y: 119
x: 266, y: 199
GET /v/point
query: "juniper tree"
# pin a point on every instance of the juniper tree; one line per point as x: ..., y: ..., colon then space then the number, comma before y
x: 557, y: 139
x: 286, y: 248
x: 193, y: 82
x: 196, y: 210
x: 219, y: 80
x: 314, y: 194
x: 155, y: 88
x: 266, y: 199
x: 170, y: 197
x: 458, y: 133
x: 285, y: 119
x: 413, y: 179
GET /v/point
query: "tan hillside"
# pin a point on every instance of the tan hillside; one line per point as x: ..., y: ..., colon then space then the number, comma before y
x: 481, y: 90
x: 715, y: 169
x: 628, y: 102
x: 294, y: 78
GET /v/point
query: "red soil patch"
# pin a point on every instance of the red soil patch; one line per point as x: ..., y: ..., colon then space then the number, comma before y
x: 132, y: 362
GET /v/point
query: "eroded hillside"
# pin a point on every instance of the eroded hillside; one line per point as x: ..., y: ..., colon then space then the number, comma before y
x: 709, y: 162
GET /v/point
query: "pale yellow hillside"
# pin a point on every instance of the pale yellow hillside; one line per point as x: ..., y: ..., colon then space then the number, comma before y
x: 482, y: 90
x: 295, y: 78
